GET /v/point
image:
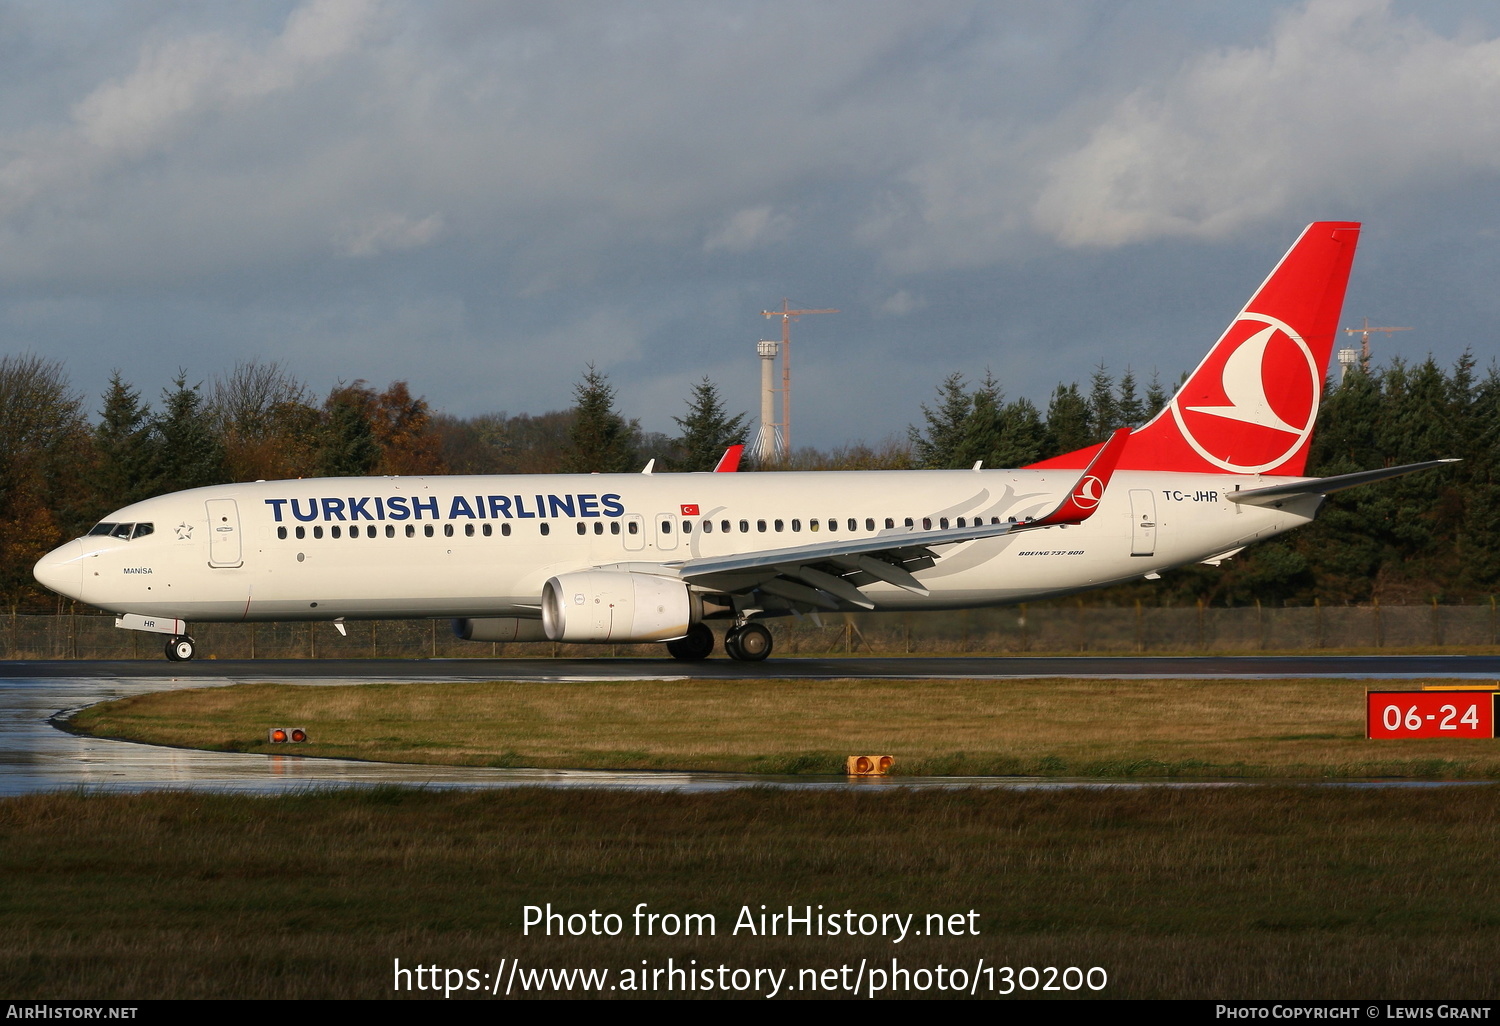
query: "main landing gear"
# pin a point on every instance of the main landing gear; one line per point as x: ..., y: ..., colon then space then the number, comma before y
x: 180, y: 648
x: 696, y: 647
x: 748, y: 642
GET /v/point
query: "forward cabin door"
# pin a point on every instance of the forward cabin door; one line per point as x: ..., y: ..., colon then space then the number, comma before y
x: 1142, y: 522
x: 224, y: 547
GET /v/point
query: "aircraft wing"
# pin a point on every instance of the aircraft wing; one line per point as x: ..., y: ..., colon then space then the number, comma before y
x: 1277, y: 494
x: 828, y: 575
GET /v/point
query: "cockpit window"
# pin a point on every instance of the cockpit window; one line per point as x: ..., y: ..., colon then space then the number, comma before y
x: 141, y: 530
x: 102, y: 529
x: 122, y: 530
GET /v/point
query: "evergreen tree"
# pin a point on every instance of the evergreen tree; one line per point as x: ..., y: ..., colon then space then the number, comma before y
x: 600, y: 440
x: 1067, y: 421
x: 186, y: 451
x: 1023, y: 436
x: 123, y: 442
x: 941, y: 445
x: 1156, y: 396
x: 1130, y: 409
x: 348, y: 445
x: 707, y: 430
x: 1103, y: 414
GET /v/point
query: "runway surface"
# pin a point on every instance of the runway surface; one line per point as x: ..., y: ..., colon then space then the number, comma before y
x: 35, y: 755
x: 1342, y: 667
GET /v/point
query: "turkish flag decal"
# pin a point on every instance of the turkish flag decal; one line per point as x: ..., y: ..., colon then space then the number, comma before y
x: 689, y: 509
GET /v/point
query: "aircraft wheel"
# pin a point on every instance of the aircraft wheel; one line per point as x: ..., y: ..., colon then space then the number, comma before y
x: 179, y: 648
x: 697, y: 646
x: 749, y: 644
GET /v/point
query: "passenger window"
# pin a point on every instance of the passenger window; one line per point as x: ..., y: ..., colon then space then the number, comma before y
x: 598, y: 527
x: 333, y: 532
x: 281, y: 532
x: 546, y: 530
x: 468, y: 530
x: 745, y: 526
x: 447, y: 530
x: 614, y: 527
x: 796, y: 524
x: 427, y: 530
x: 633, y: 527
x: 760, y: 525
x: 582, y: 527
x: 505, y: 530
x: 411, y: 530
x: 926, y: 523
x: 943, y: 523
x: 908, y: 522
x: 141, y: 530
x: 390, y: 530
x: 301, y: 531
x: 960, y: 521
x: 487, y: 530
x: 687, y: 527
x: 370, y: 531
x: 994, y: 520
x: 708, y: 527
x: 666, y: 527
x: 318, y: 531
x: 724, y: 526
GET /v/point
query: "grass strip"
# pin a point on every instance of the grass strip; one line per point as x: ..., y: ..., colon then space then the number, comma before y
x: 1291, y: 729
x: 1310, y: 891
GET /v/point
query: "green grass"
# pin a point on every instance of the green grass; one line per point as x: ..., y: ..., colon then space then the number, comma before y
x: 1280, y: 892
x: 1144, y: 729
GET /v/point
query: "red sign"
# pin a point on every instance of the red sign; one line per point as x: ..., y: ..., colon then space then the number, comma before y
x: 689, y: 509
x: 1391, y: 714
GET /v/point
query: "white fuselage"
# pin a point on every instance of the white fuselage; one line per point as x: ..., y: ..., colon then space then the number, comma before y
x: 356, y: 548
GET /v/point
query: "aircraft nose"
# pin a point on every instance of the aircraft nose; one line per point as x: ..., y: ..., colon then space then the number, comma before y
x: 62, y: 570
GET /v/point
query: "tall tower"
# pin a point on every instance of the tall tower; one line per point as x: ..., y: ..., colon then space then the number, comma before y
x: 767, y: 446
x: 788, y: 315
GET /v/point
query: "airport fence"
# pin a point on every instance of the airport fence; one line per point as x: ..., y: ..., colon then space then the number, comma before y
x: 1049, y: 629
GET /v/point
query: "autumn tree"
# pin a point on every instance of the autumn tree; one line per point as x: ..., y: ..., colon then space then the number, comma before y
x: 44, y: 444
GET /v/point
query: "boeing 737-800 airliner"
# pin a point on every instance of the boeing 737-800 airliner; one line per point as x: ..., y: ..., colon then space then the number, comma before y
x: 658, y: 557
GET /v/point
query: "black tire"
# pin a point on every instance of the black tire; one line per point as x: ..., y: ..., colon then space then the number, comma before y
x: 732, y: 645
x: 180, y: 649
x: 752, y: 643
x: 696, y: 647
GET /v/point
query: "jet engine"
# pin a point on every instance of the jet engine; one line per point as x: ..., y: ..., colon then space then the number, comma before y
x: 613, y: 605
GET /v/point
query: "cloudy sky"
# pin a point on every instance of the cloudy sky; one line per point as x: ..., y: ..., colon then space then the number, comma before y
x: 482, y: 198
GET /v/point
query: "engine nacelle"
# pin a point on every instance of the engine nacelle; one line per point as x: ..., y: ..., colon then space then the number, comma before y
x: 498, y: 628
x: 613, y: 605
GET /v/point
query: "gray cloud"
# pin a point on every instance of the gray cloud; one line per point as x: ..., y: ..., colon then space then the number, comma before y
x: 483, y: 198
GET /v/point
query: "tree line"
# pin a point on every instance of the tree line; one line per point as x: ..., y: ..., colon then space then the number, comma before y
x: 1430, y: 536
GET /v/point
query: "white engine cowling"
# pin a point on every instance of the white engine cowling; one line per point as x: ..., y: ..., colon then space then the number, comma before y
x: 498, y: 628
x: 612, y: 605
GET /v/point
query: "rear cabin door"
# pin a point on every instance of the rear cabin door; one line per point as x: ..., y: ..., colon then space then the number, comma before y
x: 224, y: 547
x: 1142, y: 522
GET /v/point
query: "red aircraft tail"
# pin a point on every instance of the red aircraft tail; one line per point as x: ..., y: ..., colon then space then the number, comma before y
x: 1250, y: 406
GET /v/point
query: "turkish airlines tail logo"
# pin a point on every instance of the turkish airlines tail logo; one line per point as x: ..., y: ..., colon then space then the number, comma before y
x: 1250, y: 406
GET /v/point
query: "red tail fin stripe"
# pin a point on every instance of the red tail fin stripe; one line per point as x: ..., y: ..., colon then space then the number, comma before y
x: 1250, y: 405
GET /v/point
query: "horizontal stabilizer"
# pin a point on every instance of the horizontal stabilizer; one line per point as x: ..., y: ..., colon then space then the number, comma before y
x: 1274, y: 494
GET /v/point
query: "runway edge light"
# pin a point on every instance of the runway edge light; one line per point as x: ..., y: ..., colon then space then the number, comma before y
x: 868, y: 765
x: 282, y: 735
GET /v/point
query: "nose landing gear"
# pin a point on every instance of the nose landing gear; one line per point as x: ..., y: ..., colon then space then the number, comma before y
x: 180, y: 648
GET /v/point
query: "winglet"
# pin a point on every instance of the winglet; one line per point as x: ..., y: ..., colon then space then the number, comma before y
x: 1089, y: 490
x: 730, y: 461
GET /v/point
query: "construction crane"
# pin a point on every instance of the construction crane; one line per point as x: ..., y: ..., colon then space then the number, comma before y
x: 1364, y: 341
x: 788, y: 315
